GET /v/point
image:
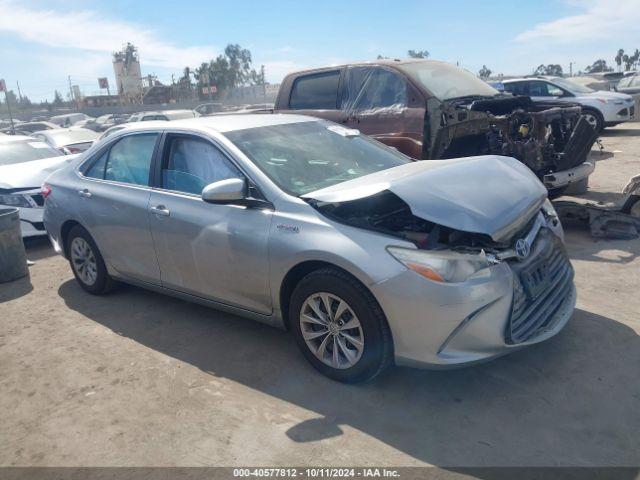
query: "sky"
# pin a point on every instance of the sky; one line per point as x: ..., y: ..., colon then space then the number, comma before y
x: 44, y: 43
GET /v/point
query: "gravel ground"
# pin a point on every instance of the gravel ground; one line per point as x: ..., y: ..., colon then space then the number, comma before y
x: 137, y: 378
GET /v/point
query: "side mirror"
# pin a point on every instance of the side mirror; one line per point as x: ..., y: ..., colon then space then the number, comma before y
x: 225, y: 191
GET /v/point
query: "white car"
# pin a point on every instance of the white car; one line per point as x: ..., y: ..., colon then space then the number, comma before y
x: 601, y: 109
x: 24, y: 164
x: 68, y: 140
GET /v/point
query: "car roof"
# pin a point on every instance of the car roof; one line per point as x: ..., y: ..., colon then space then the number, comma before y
x: 385, y: 62
x: 225, y: 123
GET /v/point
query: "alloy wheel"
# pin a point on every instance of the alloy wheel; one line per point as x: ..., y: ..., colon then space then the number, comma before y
x: 591, y: 119
x: 331, y: 330
x: 84, y: 261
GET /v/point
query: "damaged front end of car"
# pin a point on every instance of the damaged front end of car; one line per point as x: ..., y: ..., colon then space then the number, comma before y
x: 462, y: 233
x: 548, y: 137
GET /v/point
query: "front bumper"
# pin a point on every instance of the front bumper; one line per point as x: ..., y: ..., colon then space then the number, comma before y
x: 437, y: 325
x: 31, y: 222
x: 614, y: 114
x: 567, y: 177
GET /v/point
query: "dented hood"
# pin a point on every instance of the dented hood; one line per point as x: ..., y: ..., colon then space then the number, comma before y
x: 492, y: 195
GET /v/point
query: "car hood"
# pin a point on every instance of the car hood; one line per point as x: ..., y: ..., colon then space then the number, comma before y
x: 608, y: 95
x: 31, y: 174
x: 490, y: 194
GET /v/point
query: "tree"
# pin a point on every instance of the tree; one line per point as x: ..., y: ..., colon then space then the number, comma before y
x: 553, y: 69
x: 381, y: 57
x: 418, y: 54
x: 57, y: 99
x: 599, y: 66
x: 619, y: 56
x: 229, y: 70
x: 484, y: 72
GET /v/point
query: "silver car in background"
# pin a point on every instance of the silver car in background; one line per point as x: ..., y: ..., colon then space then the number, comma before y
x: 68, y: 140
x: 366, y: 256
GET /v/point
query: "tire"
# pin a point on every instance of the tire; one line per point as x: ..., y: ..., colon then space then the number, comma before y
x: 632, y: 206
x: 360, y: 307
x: 594, y: 118
x: 91, y: 273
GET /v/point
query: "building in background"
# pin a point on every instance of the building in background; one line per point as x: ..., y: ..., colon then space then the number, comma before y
x: 126, y: 67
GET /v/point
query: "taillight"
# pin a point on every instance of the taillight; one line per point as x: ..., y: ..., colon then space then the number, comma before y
x: 70, y: 150
x: 45, y: 190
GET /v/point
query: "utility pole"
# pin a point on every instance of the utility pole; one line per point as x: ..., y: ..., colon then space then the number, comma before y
x: 19, y: 92
x: 264, y: 87
x: 571, y: 69
x: 3, y: 88
x: 71, y: 91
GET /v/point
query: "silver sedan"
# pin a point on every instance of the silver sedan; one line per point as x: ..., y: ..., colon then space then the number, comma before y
x: 367, y: 257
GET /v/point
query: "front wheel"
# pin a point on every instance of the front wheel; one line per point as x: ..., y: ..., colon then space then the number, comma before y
x: 594, y: 118
x: 87, y: 263
x: 339, y: 326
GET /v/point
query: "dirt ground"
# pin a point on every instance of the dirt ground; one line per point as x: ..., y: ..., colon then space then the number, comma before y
x: 137, y: 378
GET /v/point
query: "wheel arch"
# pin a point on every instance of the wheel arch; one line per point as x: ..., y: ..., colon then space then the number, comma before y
x: 296, y: 273
x: 64, y: 233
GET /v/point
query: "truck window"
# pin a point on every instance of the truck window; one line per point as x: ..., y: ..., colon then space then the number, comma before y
x: 318, y: 91
x: 381, y: 88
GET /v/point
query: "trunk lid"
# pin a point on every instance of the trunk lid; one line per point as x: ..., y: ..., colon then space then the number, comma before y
x: 490, y: 194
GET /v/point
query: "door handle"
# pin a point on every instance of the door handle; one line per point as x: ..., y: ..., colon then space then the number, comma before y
x: 85, y: 193
x: 160, y: 210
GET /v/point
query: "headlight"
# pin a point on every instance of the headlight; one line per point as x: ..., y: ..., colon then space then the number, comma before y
x: 15, y: 200
x: 441, y: 266
x: 615, y: 101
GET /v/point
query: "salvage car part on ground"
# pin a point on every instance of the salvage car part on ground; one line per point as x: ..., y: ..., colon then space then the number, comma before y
x: 366, y: 256
x: 608, y: 221
x: 434, y: 110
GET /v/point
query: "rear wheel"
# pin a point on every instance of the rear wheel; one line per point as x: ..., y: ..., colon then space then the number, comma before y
x: 87, y: 263
x: 339, y: 326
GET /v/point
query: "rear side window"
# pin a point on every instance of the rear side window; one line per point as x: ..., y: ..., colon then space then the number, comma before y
x: 127, y: 161
x: 315, y: 92
x: 517, y: 88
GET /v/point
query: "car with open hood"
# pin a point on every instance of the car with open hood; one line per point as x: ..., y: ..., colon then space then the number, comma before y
x: 433, y: 110
x: 24, y: 164
x: 366, y: 256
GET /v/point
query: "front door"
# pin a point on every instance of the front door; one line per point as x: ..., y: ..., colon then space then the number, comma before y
x: 380, y: 102
x: 113, y: 203
x: 217, y: 252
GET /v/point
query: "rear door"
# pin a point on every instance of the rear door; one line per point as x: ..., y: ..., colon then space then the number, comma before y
x: 113, y: 203
x: 218, y: 252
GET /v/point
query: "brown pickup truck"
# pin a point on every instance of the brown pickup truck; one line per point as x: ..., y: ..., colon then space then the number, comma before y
x: 434, y: 110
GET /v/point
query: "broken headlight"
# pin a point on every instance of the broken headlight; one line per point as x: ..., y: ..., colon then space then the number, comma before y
x: 442, y: 266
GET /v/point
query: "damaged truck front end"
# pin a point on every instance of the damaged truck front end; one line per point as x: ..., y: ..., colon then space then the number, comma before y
x: 553, y: 140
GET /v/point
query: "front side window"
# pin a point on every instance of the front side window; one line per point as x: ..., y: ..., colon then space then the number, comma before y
x: 544, y: 89
x: 318, y: 91
x: 127, y: 161
x: 191, y: 164
x: 307, y: 156
x: 372, y: 88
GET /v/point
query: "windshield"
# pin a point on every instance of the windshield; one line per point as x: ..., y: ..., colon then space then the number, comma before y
x: 19, y: 152
x: 304, y: 157
x: 447, y: 81
x: 573, y: 87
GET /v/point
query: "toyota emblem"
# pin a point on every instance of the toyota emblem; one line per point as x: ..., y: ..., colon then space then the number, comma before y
x: 522, y: 248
